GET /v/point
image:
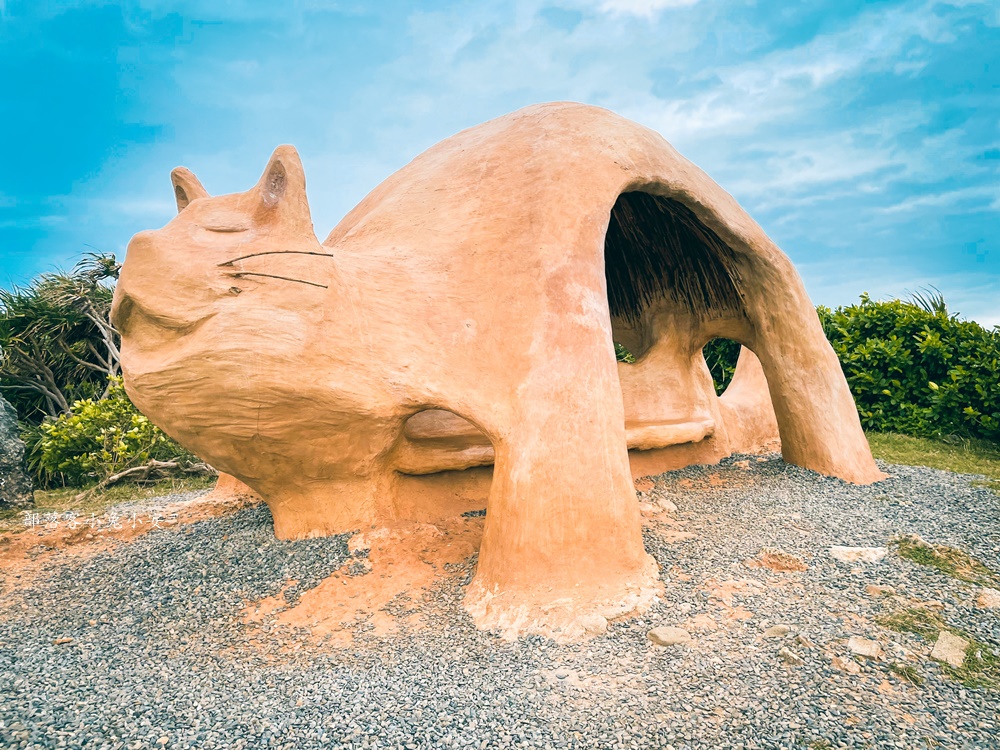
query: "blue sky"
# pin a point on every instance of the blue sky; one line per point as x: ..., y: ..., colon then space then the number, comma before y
x: 863, y: 136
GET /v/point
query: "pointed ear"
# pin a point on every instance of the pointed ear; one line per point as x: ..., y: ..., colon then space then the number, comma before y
x: 186, y: 187
x: 282, y: 190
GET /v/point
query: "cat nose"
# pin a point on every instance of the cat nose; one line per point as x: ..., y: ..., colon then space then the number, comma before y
x: 139, y: 253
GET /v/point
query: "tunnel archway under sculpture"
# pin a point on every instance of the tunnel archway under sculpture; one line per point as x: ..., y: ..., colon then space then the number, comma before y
x: 463, y: 316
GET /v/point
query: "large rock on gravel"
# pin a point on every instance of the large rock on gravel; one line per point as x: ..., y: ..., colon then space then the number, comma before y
x: 15, y: 484
x: 988, y: 598
x: 877, y: 591
x: 777, y: 631
x: 950, y: 648
x: 864, y: 647
x: 791, y: 657
x: 845, y: 665
x: 667, y: 636
x: 859, y: 554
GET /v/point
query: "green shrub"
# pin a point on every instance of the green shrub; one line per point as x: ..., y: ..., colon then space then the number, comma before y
x: 918, y: 371
x: 912, y: 368
x: 57, y: 344
x: 95, y: 439
x: 720, y: 356
x: 624, y: 355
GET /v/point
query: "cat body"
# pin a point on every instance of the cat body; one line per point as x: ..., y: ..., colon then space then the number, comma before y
x: 472, y: 282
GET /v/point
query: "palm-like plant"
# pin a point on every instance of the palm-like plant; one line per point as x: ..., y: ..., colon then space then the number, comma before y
x: 929, y: 299
x: 56, y: 339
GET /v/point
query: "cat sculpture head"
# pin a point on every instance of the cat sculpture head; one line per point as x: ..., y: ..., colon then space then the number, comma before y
x: 174, y: 278
x: 228, y: 290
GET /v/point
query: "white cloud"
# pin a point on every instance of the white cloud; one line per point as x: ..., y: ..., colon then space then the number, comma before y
x: 642, y: 8
x: 780, y: 129
x: 786, y: 84
x: 976, y: 195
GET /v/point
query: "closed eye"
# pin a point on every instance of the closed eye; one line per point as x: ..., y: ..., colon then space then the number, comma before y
x: 228, y: 229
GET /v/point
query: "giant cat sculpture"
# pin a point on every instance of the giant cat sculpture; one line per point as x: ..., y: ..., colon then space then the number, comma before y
x: 482, y: 287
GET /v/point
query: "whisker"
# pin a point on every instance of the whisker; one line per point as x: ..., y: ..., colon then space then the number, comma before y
x: 241, y: 274
x: 276, y: 252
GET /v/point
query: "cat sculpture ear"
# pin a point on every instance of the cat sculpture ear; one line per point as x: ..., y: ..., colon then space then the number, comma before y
x: 281, y: 192
x: 186, y: 187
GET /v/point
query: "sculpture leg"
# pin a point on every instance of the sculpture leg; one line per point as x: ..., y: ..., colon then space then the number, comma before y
x: 323, y: 507
x: 562, y: 547
x: 746, y: 408
x: 817, y: 418
x: 228, y: 489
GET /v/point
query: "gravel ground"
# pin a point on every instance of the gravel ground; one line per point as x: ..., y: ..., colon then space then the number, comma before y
x: 161, y: 658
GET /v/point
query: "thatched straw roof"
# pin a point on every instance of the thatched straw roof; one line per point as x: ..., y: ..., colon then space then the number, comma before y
x: 656, y: 247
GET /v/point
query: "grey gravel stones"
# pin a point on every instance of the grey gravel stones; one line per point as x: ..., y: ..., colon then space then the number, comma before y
x: 152, y: 659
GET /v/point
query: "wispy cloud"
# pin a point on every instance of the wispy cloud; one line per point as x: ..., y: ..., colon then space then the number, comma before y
x: 642, y: 8
x: 860, y: 139
x: 969, y: 199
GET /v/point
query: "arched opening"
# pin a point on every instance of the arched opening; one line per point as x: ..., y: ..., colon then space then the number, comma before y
x: 442, y: 441
x: 658, y: 252
x: 445, y: 465
x: 672, y: 284
x: 721, y: 356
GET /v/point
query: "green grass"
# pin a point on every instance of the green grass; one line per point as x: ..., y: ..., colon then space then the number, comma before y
x: 962, y: 456
x: 948, y: 560
x: 916, y: 620
x: 62, y: 500
x: 908, y: 672
x: 981, y: 668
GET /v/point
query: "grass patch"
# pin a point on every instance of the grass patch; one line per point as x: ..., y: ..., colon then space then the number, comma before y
x: 916, y: 620
x: 959, y: 455
x: 63, y: 500
x: 908, y: 672
x: 949, y: 560
x: 981, y: 668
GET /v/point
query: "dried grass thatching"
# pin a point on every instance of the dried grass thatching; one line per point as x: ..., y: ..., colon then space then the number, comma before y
x: 656, y: 247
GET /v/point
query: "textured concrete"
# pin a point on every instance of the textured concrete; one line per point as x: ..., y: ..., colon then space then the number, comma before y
x: 474, y: 281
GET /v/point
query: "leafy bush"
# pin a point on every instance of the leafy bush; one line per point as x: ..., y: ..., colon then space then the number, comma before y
x: 95, y: 439
x: 918, y: 371
x: 624, y: 355
x: 720, y: 354
x: 912, y: 367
